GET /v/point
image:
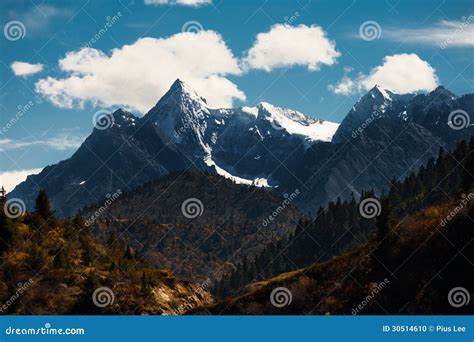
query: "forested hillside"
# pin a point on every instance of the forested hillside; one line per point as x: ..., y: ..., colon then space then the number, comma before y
x: 340, y: 225
x: 229, y: 221
x: 51, y: 266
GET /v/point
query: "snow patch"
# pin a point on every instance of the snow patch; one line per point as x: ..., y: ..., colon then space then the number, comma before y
x: 238, y: 180
x: 250, y: 110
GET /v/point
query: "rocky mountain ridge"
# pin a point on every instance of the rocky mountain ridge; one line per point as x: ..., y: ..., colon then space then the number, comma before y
x: 384, y: 136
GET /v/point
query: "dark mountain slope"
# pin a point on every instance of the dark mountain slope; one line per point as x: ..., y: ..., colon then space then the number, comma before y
x: 341, y: 224
x: 230, y: 221
x: 385, y: 150
x: 422, y: 263
x: 384, y: 136
x: 123, y: 156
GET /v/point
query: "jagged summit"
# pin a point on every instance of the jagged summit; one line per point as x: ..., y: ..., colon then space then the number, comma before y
x: 123, y: 117
x: 296, y: 123
x: 181, y: 92
x: 379, y: 91
x: 268, y: 110
x: 182, y: 109
x: 441, y: 91
x: 428, y: 109
x: 180, y: 87
x: 178, y: 83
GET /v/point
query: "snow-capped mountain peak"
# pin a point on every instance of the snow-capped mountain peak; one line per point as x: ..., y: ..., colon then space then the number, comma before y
x: 214, y: 137
x: 377, y: 90
x: 181, y: 112
x: 269, y: 111
x: 297, y: 123
x: 183, y: 95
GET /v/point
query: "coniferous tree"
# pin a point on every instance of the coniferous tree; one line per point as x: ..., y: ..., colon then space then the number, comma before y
x: 37, y: 259
x: 385, y: 220
x: 42, y: 205
x: 144, y: 283
x: 385, y: 223
x: 60, y: 260
x: 8, y: 230
x: 88, y: 255
x: 85, y: 303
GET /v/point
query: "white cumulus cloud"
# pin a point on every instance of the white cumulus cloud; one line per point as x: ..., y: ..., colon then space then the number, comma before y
x: 137, y: 75
x: 345, y: 87
x: 401, y: 73
x: 192, y: 3
x: 10, y: 179
x: 26, y: 69
x: 286, y: 46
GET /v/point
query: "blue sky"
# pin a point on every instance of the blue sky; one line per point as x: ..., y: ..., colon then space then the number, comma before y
x: 312, y: 56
